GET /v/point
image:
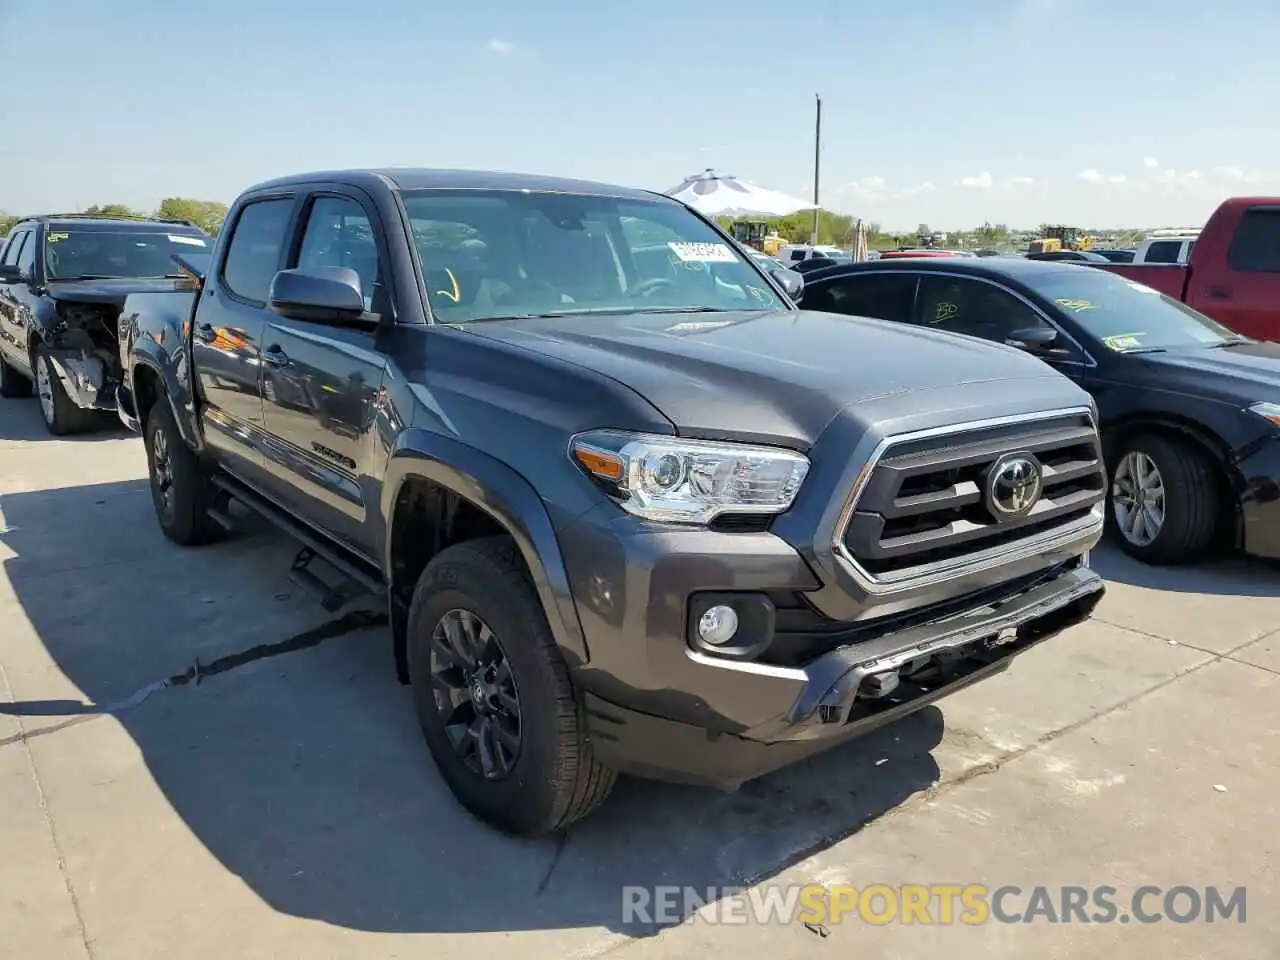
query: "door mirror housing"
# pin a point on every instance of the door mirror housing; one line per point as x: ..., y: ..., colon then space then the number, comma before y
x: 1034, y: 339
x: 11, y: 273
x: 331, y: 295
x: 791, y: 281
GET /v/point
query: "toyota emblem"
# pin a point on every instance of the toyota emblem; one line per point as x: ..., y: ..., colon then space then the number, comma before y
x: 1014, y: 483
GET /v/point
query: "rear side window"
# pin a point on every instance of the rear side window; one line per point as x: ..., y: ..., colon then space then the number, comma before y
x: 1164, y: 251
x: 253, y: 256
x: 884, y: 296
x: 1256, y: 245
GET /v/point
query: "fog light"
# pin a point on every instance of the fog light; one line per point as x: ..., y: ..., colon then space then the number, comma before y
x: 718, y: 625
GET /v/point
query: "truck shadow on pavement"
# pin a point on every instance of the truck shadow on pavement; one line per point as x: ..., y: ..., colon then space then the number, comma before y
x: 301, y: 768
x: 1226, y: 574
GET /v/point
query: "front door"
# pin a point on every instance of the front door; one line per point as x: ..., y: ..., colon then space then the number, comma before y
x: 321, y: 383
x: 226, y: 346
x: 981, y: 308
x: 14, y: 301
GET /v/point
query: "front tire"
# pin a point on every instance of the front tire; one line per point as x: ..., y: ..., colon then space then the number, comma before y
x: 179, y: 488
x: 493, y: 694
x: 61, y: 415
x: 12, y: 383
x: 1164, y: 499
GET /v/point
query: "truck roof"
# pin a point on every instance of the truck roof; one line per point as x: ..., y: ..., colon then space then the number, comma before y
x: 416, y: 178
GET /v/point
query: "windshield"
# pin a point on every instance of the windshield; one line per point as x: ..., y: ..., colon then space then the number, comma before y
x: 498, y: 254
x: 72, y: 253
x: 1127, y: 316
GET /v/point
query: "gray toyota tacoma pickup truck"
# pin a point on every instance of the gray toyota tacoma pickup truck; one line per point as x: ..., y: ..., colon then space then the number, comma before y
x: 629, y: 509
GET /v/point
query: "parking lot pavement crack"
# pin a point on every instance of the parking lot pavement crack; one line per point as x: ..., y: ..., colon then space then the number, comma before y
x: 196, y: 674
x: 52, y: 827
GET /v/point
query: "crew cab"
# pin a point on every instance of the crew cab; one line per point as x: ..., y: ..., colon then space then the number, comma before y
x: 629, y: 508
x: 1232, y: 273
x: 1190, y: 412
x: 63, y: 280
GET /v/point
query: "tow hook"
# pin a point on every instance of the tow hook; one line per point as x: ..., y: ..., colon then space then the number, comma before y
x: 878, y: 685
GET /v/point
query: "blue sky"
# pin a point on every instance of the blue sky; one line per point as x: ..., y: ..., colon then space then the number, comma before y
x: 1021, y: 111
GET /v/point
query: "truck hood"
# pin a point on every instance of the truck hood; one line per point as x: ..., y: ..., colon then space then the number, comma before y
x: 783, y: 376
x: 108, y: 291
x: 1246, y: 372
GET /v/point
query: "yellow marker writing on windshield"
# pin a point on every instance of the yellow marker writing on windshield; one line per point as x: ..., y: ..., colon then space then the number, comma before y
x: 945, y: 311
x: 456, y: 294
x: 1076, y: 305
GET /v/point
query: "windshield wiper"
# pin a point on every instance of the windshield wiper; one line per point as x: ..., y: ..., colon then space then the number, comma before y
x: 1229, y: 342
x: 1135, y: 350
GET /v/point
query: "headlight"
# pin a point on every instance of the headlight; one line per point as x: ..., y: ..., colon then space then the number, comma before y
x: 1268, y: 411
x: 690, y: 481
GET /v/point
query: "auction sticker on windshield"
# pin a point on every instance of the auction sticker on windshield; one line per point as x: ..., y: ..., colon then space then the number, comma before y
x: 1123, y: 341
x: 703, y: 252
x: 178, y: 238
x: 1075, y: 306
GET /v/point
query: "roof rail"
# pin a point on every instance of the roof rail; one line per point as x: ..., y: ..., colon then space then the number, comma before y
x: 139, y: 218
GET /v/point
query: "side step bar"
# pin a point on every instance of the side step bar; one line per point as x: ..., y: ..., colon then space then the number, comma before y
x: 361, y: 577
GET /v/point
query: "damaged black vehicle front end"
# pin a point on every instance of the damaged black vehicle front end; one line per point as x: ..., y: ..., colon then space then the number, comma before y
x: 63, y: 282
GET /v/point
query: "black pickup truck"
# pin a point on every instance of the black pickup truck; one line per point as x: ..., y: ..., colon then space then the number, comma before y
x: 63, y: 279
x: 630, y: 509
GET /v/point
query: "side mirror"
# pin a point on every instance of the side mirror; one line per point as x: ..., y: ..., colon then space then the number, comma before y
x: 319, y: 294
x: 1033, y: 340
x: 791, y: 281
x: 10, y: 273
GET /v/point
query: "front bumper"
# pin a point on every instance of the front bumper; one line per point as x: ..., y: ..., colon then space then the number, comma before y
x: 85, y: 379
x: 1260, y: 501
x: 841, y: 695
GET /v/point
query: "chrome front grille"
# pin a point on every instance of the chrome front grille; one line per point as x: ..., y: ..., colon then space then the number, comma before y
x: 924, y: 505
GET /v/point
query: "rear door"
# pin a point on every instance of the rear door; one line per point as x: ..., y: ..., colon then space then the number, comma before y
x: 882, y: 295
x: 321, y: 381
x: 1244, y: 292
x: 226, y: 346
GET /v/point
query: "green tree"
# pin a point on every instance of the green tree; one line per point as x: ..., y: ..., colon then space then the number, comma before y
x: 111, y: 210
x: 205, y: 214
x: 6, y: 224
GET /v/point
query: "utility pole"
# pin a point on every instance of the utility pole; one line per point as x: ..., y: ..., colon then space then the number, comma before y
x: 817, y: 150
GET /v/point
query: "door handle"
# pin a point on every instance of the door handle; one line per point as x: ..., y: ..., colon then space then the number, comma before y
x: 273, y: 356
x: 206, y: 332
x: 1218, y: 293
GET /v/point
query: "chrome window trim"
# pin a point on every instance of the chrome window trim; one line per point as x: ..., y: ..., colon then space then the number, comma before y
x: 1088, y: 361
x: 1088, y: 527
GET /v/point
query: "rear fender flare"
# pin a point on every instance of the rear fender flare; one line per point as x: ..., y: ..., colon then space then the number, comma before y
x: 508, y: 498
x: 178, y: 396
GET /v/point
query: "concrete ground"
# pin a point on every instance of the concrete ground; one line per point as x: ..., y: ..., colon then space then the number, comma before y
x: 285, y: 805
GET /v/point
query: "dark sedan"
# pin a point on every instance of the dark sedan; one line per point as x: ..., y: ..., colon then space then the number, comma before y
x: 1078, y: 256
x: 1190, y: 411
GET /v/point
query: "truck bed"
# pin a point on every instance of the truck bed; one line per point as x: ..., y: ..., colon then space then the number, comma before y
x: 1169, y: 278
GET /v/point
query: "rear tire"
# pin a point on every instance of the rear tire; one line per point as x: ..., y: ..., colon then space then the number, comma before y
x: 12, y: 383
x: 61, y: 415
x: 179, y: 487
x: 551, y: 778
x: 1177, y: 481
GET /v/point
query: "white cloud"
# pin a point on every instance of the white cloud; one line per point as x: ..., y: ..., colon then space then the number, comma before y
x: 982, y: 181
x: 1117, y: 178
x: 917, y: 190
x: 502, y: 48
x: 1151, y: 163
x: 1172, y: 176
x: 875, y: 189
x: 1022, y: 181
x: 1091, y: 176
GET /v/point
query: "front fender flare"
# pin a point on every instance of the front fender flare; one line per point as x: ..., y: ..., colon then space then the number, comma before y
x: 511, y: 500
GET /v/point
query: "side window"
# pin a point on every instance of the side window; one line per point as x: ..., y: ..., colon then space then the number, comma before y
x: 1164, y: 251
x: 14, y: 248
x: 883, y: 296
x: 974, y: 308
x: 798, y: 255
x: 27, y: 256
x: 338, y: 234
x: 1256, y: 246
x: 253, y: 256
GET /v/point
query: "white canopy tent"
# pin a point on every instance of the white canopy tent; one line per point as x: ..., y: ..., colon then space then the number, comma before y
x: 718, y: 195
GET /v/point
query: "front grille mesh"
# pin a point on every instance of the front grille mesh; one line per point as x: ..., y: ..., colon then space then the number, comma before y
x: 923, y: 504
